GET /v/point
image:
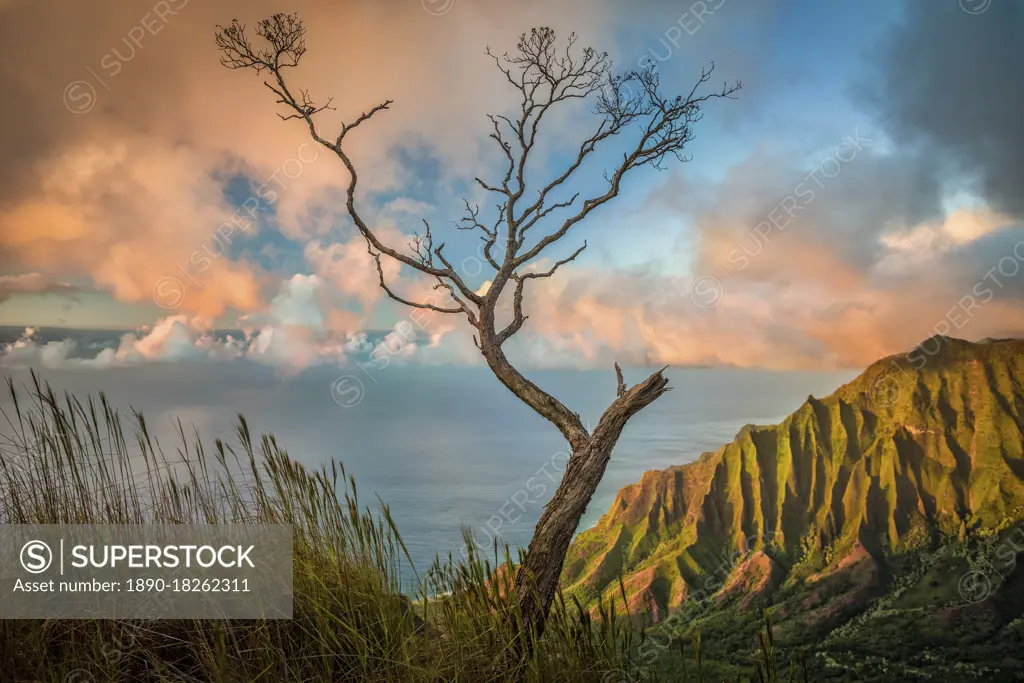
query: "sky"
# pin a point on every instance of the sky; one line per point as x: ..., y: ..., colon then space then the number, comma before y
x: 861, y: 192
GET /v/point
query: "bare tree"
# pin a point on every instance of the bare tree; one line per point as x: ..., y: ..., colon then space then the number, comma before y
x: 546, y: 76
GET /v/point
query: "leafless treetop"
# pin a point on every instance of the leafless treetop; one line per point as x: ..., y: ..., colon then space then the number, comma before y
x: 530, y: 216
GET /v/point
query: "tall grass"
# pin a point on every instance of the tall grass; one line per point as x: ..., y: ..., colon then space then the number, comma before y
x: 67, y: 461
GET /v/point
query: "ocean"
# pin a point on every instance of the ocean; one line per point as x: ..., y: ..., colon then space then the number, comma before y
x: 447, y: 448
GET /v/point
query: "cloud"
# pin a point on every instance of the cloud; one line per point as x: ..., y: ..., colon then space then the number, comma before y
x: 973, y: 289
x: 834, y: 256
x: 128, y: 127
x: 132, y: 194
x: 26, y: 351
x: 947, y: 82
x: 296, y: 332
x: 35, y: 283
x: 127, y: 214
x: 350, y: 269
x: 293, y: 334
x: 170, y: 340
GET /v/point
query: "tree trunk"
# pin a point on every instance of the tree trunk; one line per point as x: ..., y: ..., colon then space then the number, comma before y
x: 537, y: 577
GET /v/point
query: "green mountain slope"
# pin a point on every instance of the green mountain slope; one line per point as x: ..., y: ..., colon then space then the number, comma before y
x: 894, y: 479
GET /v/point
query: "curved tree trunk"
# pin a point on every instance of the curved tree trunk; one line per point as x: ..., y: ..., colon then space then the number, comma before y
x: 537, y: 577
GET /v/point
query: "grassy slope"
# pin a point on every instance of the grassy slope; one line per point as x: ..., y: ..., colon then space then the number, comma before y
x: 842, y: 510
x: 70, y: 461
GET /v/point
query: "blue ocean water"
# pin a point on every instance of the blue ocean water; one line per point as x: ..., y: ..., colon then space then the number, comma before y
x: 449, y: 448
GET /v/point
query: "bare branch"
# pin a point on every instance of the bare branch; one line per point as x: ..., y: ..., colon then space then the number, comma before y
x: 441, y: 284
x: 546, y: 77
x: 471, y: 221
x: 538, y: 215
x: 621, y: 381
x: 668, y: 131
x: 407, y: 302
x: 284, y: 33
x: 638, y: 396
x: 285, y: 36
x: 518, y: 318
x: 558, y: 264
x: 543, y: 403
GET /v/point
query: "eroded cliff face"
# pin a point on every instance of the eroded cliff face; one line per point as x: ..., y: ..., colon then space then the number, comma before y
x: 922, y: 445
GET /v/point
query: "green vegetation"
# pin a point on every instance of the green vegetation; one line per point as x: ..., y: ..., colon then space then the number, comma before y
x: 854, y: 521
x: 872, y: 536
x: 66, y: 461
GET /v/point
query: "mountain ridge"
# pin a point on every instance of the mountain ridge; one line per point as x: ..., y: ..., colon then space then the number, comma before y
x: 920, y: 450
